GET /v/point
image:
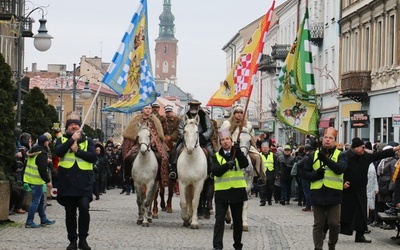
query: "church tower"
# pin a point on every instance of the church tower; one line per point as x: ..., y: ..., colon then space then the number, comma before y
x: 166, y: 45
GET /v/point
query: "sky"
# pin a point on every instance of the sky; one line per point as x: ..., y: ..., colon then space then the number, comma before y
x: 95, y: 28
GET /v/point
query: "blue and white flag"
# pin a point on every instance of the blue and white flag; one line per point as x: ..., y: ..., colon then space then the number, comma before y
x: 130, y: 73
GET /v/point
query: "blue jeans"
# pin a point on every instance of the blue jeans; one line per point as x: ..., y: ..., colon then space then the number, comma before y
x: 37, y: 204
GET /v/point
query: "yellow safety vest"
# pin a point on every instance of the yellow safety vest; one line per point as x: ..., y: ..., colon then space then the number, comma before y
x: 31, y: 175
x: 330, y: 180
x: 231, y: 178
x: 68, y: 160
x: 268, y: 162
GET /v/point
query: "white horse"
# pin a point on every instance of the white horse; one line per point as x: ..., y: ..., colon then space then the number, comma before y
x: 192, y: 172
x: 245, y: 143
x: 144, y: 172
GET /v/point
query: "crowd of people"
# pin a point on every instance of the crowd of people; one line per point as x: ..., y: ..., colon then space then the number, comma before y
x: 344, y: 185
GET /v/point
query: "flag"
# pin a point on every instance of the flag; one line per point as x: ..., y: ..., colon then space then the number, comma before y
x: 130, y: 73
x: 297, y: 105
x: 240, y: 79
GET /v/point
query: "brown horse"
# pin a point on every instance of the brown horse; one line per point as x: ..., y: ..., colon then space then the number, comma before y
x: 161, y: 190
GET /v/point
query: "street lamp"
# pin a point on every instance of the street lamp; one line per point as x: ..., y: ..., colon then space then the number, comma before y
x: 57, y: 86
x: 42, y: 42
x: 86, y: 91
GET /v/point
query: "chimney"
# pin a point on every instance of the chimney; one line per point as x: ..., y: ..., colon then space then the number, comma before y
x: 34, y: 67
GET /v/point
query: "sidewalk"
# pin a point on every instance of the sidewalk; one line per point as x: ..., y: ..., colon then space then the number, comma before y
x: 113, y: 226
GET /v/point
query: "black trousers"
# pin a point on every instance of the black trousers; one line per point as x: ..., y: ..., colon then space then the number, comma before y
x: 220, y: 211
x: 71, y: 205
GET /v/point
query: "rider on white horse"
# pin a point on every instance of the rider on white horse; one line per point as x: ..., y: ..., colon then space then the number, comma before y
x: 130, y: 147
x: 206, y: 133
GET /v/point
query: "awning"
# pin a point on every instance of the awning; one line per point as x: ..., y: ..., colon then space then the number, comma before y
x: 325, y: 120
x: 324, y: 123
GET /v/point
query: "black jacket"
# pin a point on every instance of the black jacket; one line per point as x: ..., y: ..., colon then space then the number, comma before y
x: 324, y: 195
x: 232, y: 195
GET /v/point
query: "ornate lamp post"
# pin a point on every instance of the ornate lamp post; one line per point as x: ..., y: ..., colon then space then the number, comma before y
x: 42, y: 42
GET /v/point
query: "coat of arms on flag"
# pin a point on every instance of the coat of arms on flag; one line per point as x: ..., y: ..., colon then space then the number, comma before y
x: 130, y: 73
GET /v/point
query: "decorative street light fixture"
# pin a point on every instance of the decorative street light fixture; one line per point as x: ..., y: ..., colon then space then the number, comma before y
x: 57, y: 86
x: 42, y: 42
x: 86, y: 91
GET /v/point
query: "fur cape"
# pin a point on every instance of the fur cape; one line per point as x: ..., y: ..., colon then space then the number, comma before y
x: 131, y: 131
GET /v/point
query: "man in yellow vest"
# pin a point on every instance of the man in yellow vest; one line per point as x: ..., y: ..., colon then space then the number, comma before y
x: 324, y: 168
x: 36, y: 176
x: 230, y: 188
x: 270, y: 164
x: 75, y: 179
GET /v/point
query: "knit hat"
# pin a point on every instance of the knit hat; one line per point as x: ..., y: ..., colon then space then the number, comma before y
x: 42, y: 139
x: 356, y: 142
x: 48, y: 135
x: 238, y: 108
x: 224, y: 133
x: 73, y: 117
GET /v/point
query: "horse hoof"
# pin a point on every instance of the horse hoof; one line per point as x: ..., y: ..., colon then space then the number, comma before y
x: 194, y: 226
x: 245, y: 228
x: 145, y: 224
x: 164, y: 209
x: 228, y: 221
x: 150, y: 220
x: 200, y: 217
x: 139, y: 222
x: 169, y: 210
x: 186, y: 224
x: 154, y: 216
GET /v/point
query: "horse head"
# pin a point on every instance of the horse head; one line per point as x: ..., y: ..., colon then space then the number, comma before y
x: 144, y: 137
x: 191, y: 133
x: 245, y: 140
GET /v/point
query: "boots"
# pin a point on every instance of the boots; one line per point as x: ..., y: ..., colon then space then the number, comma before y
x: 72, y: 246
x: 83, y: 244
x: 391, y: 211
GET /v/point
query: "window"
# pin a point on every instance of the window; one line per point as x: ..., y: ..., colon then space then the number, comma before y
x: 391, y: 41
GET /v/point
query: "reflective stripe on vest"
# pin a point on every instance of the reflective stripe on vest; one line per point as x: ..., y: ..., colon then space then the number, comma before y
x: 68, y: 160
x: 330, y: 180
x: 31, y: 175
x: 231, y: 178
x: 268, y: 162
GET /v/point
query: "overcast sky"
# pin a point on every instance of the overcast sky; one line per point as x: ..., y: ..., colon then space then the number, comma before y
x: 95, y: 28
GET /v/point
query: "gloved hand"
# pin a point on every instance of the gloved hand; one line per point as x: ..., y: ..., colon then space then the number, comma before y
x: 322, y: 156
x: 231, y: 164
x: 320, y: 173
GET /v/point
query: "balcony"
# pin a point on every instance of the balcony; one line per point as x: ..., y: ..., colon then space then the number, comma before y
x: 8, y: 9
x: 317, y: 33
x: 267, y: 63
x: 356, y: 85
x: 280, y: 51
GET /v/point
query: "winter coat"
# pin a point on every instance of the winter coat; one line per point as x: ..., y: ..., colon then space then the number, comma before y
x: 385, y: 171
x: 233, y: 195
x: 372, y: 186
x: 324, y: 195
x: 74, y: 181
x: 354, y: 205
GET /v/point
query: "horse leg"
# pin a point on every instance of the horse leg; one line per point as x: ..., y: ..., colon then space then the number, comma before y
x: 228, y: 218
x: 197, y: 189
x: 152, y: 189
x: 155, y: 206
x: 162, y: 203
x: 139, y: 202
x: 171, y: 185
x: 244, y: 216
x: 183, y: 204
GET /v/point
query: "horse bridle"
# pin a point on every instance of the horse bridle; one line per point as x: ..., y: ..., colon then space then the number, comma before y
x: 197, y: 140
x: 143, y: 143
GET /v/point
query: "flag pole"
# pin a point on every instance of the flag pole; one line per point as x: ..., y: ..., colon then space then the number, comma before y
x: 91, y: 105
